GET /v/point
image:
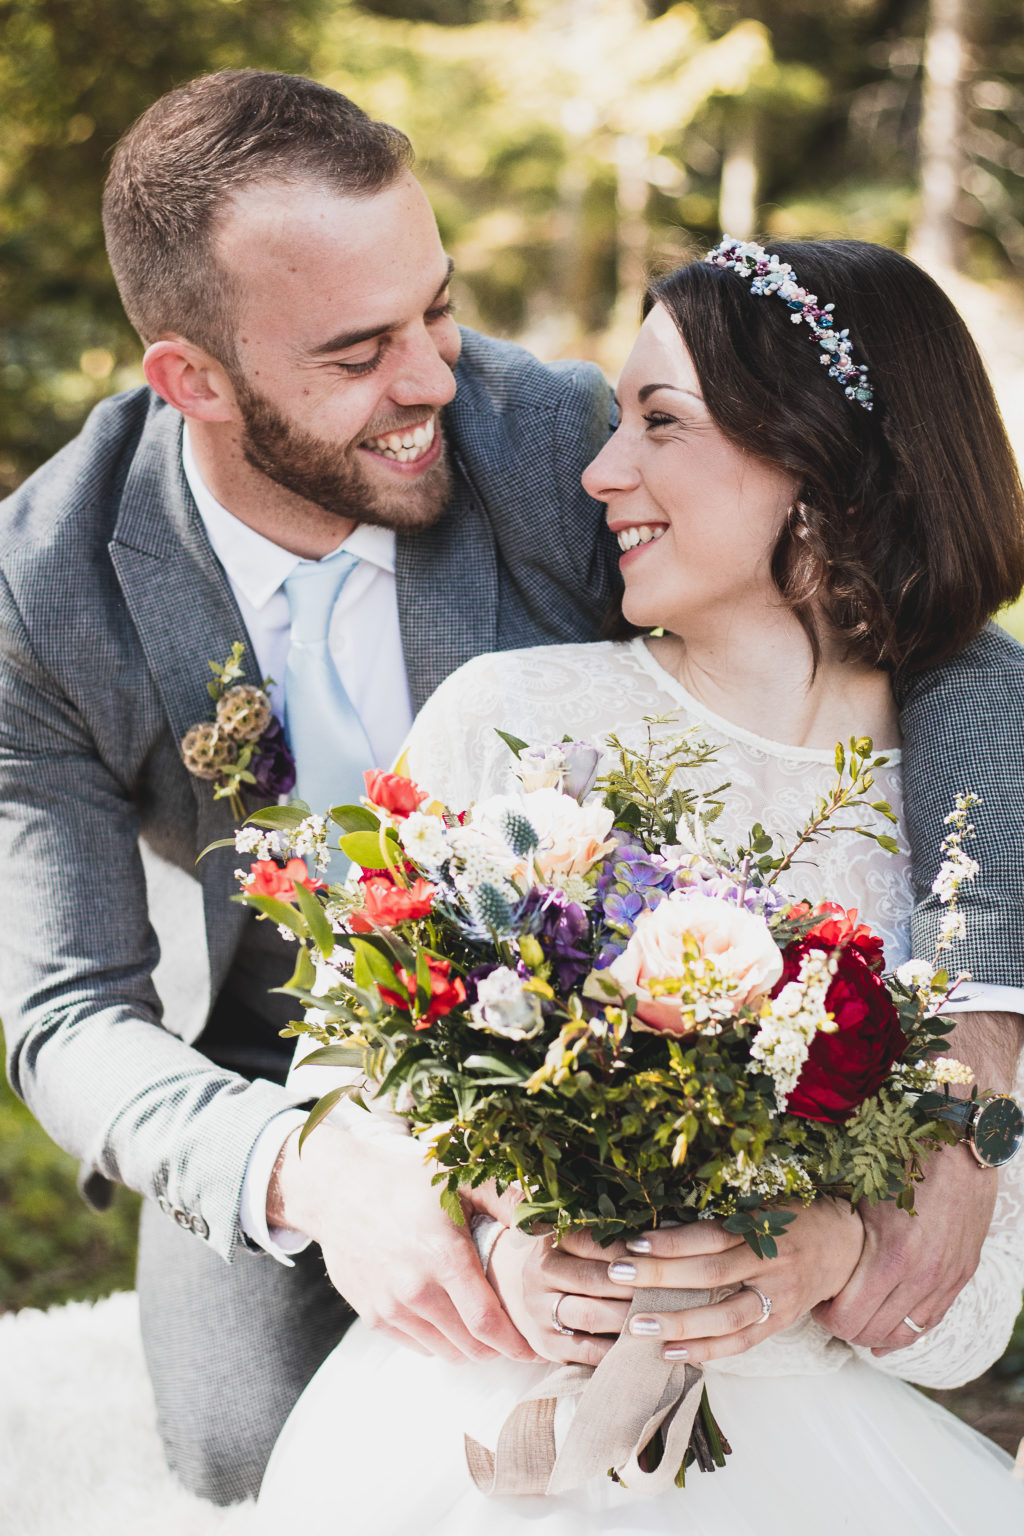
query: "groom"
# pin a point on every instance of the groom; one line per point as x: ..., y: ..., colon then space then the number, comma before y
x: 308, y: 389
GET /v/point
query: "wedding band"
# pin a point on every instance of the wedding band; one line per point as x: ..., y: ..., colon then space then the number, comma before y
x: 915, y: 1326
x: 560, y: 1327
x: 766, y: 1304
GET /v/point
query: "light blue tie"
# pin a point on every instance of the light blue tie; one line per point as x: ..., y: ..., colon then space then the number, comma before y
x: 324, y: 731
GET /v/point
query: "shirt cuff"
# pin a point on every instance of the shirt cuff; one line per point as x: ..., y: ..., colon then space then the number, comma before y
x: 279, y: 1242
x: 979, y: 997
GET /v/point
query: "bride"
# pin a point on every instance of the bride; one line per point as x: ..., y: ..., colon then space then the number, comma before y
x: 805, y: 517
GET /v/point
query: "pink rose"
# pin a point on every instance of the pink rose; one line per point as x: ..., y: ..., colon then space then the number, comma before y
x: 737, y: 943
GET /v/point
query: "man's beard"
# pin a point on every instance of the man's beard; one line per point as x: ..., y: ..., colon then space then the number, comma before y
x: 332, y: 478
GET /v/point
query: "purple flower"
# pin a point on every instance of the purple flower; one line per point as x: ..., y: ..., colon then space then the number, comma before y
x: 272, y: 764
x: 580, y: 770
x: 623, y: 908
x: 562, y: 929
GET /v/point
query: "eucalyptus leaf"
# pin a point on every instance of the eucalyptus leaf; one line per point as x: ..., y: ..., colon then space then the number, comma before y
x: 354, y: 818
x: 279, y: 818
x: 321, y: 1109
x: 319, y: 928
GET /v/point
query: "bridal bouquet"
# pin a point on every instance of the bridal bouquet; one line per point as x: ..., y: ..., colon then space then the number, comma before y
x: 580, y: 990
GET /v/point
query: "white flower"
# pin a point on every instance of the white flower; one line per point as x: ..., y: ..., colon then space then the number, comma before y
x: 310, y: 840
x: 790, y: 1021
x: 946, y: 1069
x: 424, y: 839
x: 915, y: 974
x: 540, y: 767
x: 953, y: 926
x: 256, y: 841
x: 572, y: 838
x: 957, y: 868
x: 738, y: 943
x: 504, y: 1007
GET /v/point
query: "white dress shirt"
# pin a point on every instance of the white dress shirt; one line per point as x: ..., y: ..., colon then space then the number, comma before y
x: 366, y: 646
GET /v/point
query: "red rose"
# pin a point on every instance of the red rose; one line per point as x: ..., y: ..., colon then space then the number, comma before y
x: 385, y: 904
x: 446, y: 992
x: 392, y: 792
x: 269, y: 879
x: 847, y: 1066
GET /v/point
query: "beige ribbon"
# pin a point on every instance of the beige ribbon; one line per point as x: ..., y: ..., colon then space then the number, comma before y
x: 621, y: 1404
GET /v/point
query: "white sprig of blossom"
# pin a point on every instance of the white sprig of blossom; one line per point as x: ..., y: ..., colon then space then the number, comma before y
x: 791, y: 1020
x: 946, y: 1070
x: 255, y: 840
x: 773, y: 1176
x: 956, y: 868
x: 916, y: 975
x: 309, y: 840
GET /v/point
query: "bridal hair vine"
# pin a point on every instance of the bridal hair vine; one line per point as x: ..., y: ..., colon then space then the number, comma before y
x: 769, y: 275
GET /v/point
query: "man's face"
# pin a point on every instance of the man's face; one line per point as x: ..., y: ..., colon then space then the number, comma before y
x: 345, y: 346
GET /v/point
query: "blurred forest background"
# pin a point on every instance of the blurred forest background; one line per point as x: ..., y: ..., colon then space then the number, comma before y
x: 568, y: 146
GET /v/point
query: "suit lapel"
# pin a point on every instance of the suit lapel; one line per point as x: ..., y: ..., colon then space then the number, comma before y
x: 447, y: 585
x: 186, y: 616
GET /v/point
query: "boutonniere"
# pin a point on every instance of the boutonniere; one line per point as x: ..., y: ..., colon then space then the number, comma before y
x: 244, y: 744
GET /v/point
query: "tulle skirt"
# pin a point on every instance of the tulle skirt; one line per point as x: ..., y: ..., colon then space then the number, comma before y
x: 374, y: 1447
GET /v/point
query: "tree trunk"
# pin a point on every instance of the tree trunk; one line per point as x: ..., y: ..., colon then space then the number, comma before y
x: 737, y: 195
x: 936, y: 235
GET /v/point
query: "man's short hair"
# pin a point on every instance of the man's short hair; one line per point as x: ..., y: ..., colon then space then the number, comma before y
x: 176, y: 167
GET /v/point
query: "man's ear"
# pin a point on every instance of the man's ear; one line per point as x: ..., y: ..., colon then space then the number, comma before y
x: 189, y: 379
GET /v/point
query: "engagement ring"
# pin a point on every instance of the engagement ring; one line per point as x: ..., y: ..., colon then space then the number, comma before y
x: 560, y: 1327
x: 766, y: 1304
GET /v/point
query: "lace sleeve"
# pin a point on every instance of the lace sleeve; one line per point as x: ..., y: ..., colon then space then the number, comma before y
x: 976, y: 1329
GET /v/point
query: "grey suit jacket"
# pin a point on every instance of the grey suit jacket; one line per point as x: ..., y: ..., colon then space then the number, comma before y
x: 111, y: 606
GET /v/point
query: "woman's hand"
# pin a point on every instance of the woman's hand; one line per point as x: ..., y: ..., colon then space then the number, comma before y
x: 817, y: 1254
x: 532, y: 1278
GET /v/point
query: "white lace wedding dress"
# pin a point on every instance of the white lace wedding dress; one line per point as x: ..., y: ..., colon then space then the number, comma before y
x: 825, y: 1438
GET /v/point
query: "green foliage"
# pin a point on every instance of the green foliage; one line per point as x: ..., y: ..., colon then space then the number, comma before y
x: 53, y: 1248
x: 565, y: 146
x: 73, y: 77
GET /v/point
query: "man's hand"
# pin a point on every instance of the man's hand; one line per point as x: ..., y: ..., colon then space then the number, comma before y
x: 916, y: 1266
x: 390, y: 1250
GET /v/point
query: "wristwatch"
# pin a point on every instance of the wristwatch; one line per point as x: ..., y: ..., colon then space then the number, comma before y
x: 993, y: 1129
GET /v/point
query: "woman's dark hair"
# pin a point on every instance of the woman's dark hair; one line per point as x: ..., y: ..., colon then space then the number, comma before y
x: 908, y: 529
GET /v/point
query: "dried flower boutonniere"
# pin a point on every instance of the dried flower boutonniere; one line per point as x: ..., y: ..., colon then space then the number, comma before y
x: 244, y: 744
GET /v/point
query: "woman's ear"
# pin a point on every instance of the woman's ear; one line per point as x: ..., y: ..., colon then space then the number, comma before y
x: 189, y: 379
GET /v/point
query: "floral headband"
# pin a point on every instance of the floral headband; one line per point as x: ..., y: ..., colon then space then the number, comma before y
x: 770, y: 275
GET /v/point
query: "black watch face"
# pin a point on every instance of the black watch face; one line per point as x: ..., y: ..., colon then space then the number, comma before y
x: 998, y: 1131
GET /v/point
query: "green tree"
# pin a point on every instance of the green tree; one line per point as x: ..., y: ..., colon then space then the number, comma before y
x: 73, y: 75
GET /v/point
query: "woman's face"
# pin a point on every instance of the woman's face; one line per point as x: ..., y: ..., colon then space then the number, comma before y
x: 696, y: 517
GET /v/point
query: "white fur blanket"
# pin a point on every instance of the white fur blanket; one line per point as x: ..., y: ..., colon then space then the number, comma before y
x: 79, y: 1452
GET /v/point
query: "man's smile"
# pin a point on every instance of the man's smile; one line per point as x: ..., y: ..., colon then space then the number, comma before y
x: 408, y: 445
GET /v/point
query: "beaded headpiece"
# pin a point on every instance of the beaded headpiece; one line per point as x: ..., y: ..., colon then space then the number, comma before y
x: 769, y: 275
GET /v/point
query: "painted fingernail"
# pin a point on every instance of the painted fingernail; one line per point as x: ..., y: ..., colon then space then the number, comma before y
x: 675, y: 1352
x: 639, y: 1245
x: 644, y: 1326
x: 621, y: 1271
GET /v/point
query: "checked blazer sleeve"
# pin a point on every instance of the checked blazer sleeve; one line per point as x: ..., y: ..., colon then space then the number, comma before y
x: 962, y: 731
x: 88, y: 758
x: 86, y: 1045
